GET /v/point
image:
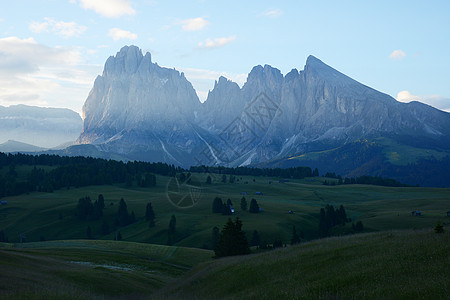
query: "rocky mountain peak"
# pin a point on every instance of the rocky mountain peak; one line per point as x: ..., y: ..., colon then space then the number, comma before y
x: 127, y: 60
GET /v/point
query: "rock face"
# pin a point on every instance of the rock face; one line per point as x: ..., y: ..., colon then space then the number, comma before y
x: 38, y: 126
x: 140, y: 109
x: 144, y: 111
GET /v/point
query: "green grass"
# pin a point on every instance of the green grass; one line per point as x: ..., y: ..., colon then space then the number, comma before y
x: 361, y: 266
x: 379, y: 208
x: 81, y: 269
x: 385, y: 265
x: 400, y: 154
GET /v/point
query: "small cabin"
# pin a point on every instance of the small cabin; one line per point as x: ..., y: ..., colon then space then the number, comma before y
x: 291, y: 212
x: 416, y: 213
x: 3, y: 202
x: 243, y: 193
x: 259, y: 193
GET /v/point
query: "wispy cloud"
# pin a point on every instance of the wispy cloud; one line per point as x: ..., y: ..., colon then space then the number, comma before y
x: 36, y: 74
x: 61, y: 28
x: 273, y: 13
x: 437, y: 101
x: 397, y: 54
x: 107, y: 8
x: 193, y: 24
x: 118, y: 34
x: 217, y: 42
x: 406, y: 96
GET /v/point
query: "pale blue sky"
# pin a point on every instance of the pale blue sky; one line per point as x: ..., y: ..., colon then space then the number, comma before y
x: 52, y: 50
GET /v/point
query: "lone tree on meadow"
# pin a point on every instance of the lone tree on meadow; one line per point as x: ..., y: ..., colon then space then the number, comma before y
x: 243, y: 204
x: 232, y: 240
x: 295, y: 237
x: 254, y: 207
x: 217, y: 205
x: 150, y: 215
x: 171, y: 232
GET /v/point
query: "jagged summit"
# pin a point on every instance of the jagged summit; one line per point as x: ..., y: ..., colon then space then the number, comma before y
x: 143, y: 111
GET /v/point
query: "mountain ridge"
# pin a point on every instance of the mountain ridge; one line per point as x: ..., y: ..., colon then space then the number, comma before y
x: 138, y: 109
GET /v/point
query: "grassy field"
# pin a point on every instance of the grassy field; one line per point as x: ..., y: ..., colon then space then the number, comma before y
x: 385, y: 265
x: 381, y: 263
x: 81, y: 269
x: 51, y: 216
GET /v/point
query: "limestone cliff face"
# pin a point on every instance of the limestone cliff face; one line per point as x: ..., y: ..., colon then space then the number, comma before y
x: 153, y: 113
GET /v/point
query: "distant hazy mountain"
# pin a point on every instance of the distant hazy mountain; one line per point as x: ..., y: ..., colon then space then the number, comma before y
x: 14, y: 146
x: 139, y: 110
x: 38, y: 126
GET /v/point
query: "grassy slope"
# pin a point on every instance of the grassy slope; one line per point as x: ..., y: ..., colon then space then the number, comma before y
x: 385, y: 265
x: 81, y: 269
x: 379, y: 208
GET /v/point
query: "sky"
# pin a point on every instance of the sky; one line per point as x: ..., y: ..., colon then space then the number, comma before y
x: 51, y: 51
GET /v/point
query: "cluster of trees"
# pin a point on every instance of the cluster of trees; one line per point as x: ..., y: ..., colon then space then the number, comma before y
x: 372, y: 180
x: 75, y: 172
x: 86, y: 210
x: 220, y: 207
x: 330, y: 217
x: 232, y: 240
x: 297, y: 173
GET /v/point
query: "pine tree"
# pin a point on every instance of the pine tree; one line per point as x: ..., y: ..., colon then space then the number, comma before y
x: 243, y: 204
x: 224, y: 178
x: 101, y: 201
x: 295, y: 237
x: 323, y: 227
x: 255, y: 238
x: 208, y: 180
x: 254, y: 207
x: 439, y: 228
x: 232, y: 240
x: 150, y: 214
x: 89, y: 232
x: 217, y: 206
x: 171, y: 232
x: 123, y: 213
x: 215, y: 237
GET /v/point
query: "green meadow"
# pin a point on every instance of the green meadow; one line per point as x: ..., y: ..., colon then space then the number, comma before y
x: 57, y: 261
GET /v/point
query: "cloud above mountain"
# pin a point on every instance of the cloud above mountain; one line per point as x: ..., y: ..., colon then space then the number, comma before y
x: 119, y: 34
x: 60, y: 28
x: 436, y: 101
x: 107, y: 8
x: 216, y: 42
x: 194, y: 24
x: 397, y: 55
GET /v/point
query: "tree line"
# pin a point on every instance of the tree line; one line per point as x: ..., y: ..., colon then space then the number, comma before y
x: 296, y: 173
x: 66, y: 172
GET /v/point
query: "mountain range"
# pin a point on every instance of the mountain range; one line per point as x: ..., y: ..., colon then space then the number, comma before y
x: 317, y: 117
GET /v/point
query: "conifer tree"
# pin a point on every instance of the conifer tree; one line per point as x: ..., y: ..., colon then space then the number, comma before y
x: 150, y: 214
x: 254, y: 207
x: 232, y: 240
x: 295, y: 237
x: 243, y: 203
